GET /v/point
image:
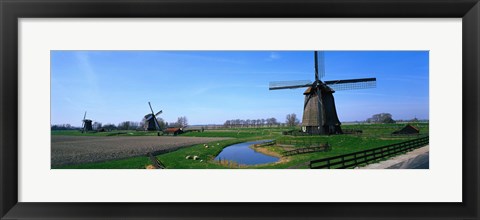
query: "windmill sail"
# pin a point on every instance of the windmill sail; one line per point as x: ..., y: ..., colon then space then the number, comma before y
x: 319, y: 65
x: 83, y: 121
x: 350, y: 84
x: 289, y: 84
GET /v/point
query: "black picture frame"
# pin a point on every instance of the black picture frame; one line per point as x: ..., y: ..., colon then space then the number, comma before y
x: 12, y: 10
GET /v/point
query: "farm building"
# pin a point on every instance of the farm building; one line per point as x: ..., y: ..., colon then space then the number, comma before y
x: 193, y: 128
x: 173, y: 131
x: 408, y: 129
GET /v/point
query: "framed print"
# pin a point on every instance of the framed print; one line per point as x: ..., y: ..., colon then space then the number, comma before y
x: 171, y: 110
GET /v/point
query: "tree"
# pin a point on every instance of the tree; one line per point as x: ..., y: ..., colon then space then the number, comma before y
x: 292, y: 120
x: 161, y: 123
x: 271, y: 121
x: 123, y: 125
x: 182, y: 121
x: 128, y: 125
x: 381, y: 118
x: 62, y: 127
x: 97, y: 125
x: 110, y: 127
x: 227, y: 124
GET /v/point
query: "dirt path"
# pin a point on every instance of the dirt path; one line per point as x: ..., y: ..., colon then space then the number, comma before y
x: 66, y: 150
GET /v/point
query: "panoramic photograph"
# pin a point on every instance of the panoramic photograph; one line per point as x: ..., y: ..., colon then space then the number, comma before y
x: 239, y: 109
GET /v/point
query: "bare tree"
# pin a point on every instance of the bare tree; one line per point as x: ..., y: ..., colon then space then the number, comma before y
x: 271, y: 122
x: 123, y: 125
x: 227, y: 124
x: 161, y: 123
x: 110, y: 127
x: 182, y: 121
x: 128, y: 125
x: 97, y: 125
x: 292, y: 120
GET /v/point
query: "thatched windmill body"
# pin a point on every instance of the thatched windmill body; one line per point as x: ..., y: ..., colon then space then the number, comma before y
x: 319, y: 112
x: 86, y: 124
x: 151, y: 122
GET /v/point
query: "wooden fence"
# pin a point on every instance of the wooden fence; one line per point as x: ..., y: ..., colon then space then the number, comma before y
x: 352, y: 160
x: 301, y: 142
x: 325, y: 147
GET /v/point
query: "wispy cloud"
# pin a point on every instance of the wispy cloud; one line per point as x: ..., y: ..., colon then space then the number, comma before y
x: 421, y: 79
x: 383, y: 95
x: 206, y: 58
x: 92, y: 91
x: 205, y: 89
x: 87, y: 70
x: 273, y: 56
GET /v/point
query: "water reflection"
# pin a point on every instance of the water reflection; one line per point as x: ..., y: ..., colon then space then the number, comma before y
x: 243, y: 154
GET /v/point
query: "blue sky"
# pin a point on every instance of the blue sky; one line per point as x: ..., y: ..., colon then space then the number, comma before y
x: 214, y: 86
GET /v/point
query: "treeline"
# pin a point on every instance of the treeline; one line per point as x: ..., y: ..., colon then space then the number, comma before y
x: 125, y: 125
x: 291, y: 120
x: 241, y: 123
x: 63, y: 127
x: 386, y: 118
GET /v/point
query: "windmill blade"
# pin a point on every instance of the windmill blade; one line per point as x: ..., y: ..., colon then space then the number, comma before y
x: 289, y: 84
x: 156, y: 123
x: 83, y: 121
x: 351, y: 84
x: 160, y: 112
x: 151, y: 108
x: 155, y: 119
x: 319, y: 64
x: 149, y: 117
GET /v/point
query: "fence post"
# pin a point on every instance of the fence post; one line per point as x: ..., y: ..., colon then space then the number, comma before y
x: 355, y: 156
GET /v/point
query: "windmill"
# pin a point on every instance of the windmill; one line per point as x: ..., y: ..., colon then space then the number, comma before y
x: 86, y: 124
x: 319, y: 112
x: 151, y: 122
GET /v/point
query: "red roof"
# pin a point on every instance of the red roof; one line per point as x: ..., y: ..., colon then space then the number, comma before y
x: 172, y: 130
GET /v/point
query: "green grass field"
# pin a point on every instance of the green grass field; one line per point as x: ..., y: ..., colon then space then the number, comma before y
x: 373, y: 135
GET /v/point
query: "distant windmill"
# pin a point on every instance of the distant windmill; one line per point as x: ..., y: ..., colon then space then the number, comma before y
x: 319, y: 112
x: 86, y: 124
x: 151, y: 122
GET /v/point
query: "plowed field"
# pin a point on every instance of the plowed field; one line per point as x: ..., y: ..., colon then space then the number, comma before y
x: 68, y: 150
